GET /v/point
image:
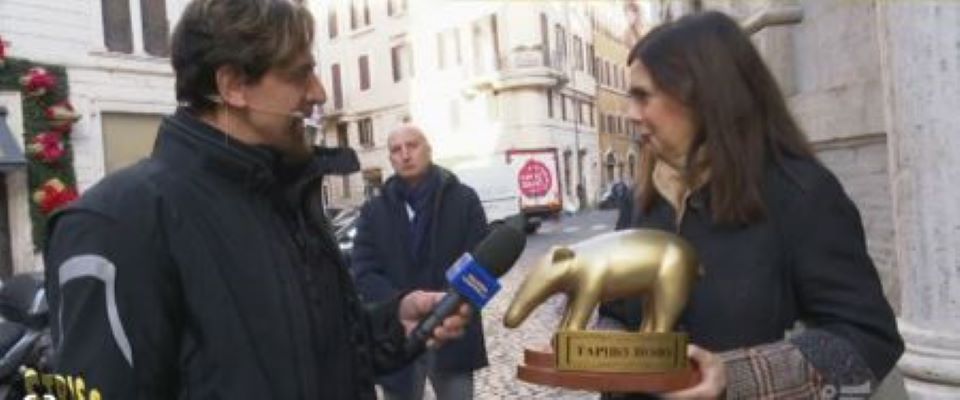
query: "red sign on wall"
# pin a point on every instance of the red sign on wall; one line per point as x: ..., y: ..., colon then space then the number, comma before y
x: 534, y: 179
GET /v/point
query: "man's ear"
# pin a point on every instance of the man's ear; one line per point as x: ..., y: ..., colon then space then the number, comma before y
x: 231, y: 87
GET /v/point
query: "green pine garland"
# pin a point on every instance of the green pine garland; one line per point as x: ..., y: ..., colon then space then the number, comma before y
x: 35, y: 122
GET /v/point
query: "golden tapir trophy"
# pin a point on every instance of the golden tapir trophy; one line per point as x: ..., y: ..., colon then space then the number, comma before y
x: 657, y: 266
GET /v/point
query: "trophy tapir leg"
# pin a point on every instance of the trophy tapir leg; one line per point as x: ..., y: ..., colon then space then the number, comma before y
x: 646, y: 324
x: 551, y: 276
x: 670, y: 292
x: 585, y: 300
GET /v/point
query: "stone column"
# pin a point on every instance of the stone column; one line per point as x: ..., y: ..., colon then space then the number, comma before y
x: 920, y: 47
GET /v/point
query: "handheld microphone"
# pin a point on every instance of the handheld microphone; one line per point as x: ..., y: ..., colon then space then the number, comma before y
x: 473, y: 278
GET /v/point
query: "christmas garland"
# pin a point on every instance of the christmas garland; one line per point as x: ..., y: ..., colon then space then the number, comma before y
x: 47, y: 118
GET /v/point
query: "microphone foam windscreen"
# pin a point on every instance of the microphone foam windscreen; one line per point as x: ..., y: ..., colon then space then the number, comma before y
x: 500, y: 249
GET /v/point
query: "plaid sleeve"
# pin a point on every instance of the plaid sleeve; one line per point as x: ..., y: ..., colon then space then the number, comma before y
x: 811, y: 365
x: 773, y: 371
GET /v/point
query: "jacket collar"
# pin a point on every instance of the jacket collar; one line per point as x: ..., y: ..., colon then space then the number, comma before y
x: 184, y: 139
x: 393, y: 185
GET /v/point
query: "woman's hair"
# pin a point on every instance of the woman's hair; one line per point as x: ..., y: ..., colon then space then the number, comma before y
x: 249, y: 35
x: 708, y: 63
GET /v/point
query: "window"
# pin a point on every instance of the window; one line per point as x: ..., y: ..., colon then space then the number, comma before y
x: 364, y: 73
x: 549, y: 103
x: 563, y: 107
x: 153, y: 14
x: 603, y: 125
x: 127, y: 138
x: 578, y: 52
x: 366, y: 12
x: 545, y: 38
x: 495, y: 36
x: 365, y: 129
x: 617, y: 76
x: 486, y: 45
x: 561, y: 44
x: 117, y: 32
x: 332, y: 21
x: 355, y: 14
x: 591, y: 116
x: 611, y: 125
x: 606, y: 66
x: 579, y: 106
x: 343, y: 139
x: 396, y: 7
x: 337, y: 88
x: 118, y: 28
x: 623, y: 78
x: 372, y: 182
x: 401, y: 62
x: 590, y: 61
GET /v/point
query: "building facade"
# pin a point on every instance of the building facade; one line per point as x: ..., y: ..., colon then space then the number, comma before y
x: 618, y: 137
x: 483, y: 79
x: 115, y: 53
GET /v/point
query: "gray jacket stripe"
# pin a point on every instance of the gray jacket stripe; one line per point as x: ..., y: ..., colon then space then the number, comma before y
x: 95, y: 266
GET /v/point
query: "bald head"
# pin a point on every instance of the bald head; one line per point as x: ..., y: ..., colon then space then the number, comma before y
x: 410, y: 153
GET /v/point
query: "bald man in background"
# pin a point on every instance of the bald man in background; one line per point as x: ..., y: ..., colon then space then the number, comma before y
x: 421, y: 222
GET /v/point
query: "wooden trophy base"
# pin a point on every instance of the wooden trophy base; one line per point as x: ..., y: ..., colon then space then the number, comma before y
x: 540, y: 368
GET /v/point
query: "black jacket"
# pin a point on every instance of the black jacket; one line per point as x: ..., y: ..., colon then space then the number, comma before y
x: 383, y: 264
x: 208, y: 271
x: 806, y: 262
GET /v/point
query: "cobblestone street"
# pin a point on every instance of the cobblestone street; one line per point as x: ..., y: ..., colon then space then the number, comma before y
x: 505, y: 346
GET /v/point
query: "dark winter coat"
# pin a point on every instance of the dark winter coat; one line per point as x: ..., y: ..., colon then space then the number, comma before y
x: 806, y: 262
x: 383, y: 264
x: 208, y: 271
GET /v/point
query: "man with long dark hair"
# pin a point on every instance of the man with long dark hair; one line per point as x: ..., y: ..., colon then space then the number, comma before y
x: 726, y: 167
x: 208, y: 270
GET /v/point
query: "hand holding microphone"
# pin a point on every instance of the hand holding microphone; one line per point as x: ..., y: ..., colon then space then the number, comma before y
x: 473, y: 279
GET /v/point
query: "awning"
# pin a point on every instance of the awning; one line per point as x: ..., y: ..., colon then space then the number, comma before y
x: 11, y: 156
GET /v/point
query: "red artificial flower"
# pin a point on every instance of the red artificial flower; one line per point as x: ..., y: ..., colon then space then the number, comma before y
x: 47, y: 147
x: 3, y: 51
x: 61, y: 116
x: 37, y: 81
x: 53, y: 194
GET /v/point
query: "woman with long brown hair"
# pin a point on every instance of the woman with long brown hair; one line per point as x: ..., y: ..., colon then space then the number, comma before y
x: 726, y: 167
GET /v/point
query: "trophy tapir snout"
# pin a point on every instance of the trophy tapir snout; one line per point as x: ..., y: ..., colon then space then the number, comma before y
x: 658, y: 266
